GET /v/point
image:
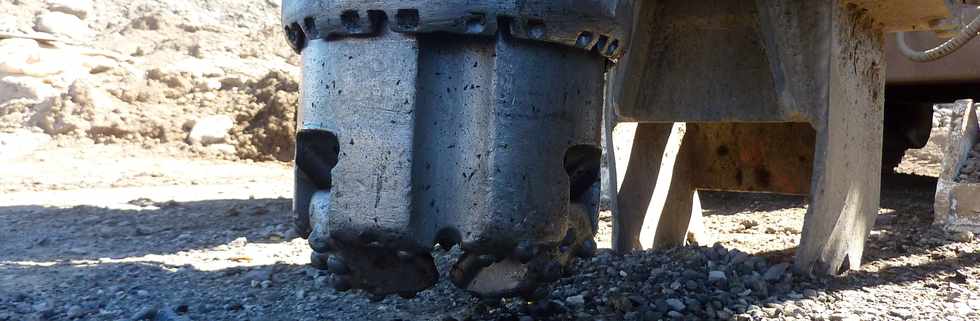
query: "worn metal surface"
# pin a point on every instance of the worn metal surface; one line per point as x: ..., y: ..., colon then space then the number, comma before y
x: 669, y: 74
x: 600, y: 25
x: 752, y: 157
x: 409, y: 138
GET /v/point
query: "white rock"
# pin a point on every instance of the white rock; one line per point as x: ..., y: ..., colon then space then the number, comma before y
x: 238, y: 242
x: 16, y: 54
x: 715, y: 276
x: 60, y: 23
x: 210, y: 84
x: 575, y: 300
x: 78, y: 8
x: 14, y: 87
x: 26, y: 57
x: 843, y: 317
x: 210, y: 130
x: 902, y: 313
x: 975, y: 304
x: 676, y: 304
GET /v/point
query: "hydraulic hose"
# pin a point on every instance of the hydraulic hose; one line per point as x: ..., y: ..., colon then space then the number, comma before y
x: 943, y: 50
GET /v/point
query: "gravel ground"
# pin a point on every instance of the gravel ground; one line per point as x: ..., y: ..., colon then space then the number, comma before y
x: 220, y: 247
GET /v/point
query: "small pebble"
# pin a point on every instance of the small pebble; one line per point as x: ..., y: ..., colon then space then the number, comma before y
x: 775, y: 272
x: 717, y: 276
x: 676, y: 304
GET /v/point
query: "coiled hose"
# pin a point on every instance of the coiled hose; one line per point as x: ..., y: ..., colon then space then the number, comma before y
x: 943, y: 50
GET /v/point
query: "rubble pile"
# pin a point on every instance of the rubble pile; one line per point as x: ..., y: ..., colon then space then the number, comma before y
x: 160, y: 74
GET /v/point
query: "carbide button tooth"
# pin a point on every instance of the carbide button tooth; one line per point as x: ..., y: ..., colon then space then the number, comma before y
x: 319, y: 244
x: 341, y: 283
x: 336, y: 265
x: 318, y: 260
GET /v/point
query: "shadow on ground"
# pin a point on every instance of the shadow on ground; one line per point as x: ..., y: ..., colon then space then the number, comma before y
x: 47, y: 234
x: 92, y: 263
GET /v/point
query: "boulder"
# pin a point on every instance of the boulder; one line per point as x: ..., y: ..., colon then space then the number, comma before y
x: 16, y: 53
x: 210, y: 130
x: 62, y: 24
x: 78, y: 8
x: 26, y: 57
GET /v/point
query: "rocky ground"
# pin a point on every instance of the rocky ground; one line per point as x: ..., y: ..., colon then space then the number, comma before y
x: 118, y: 232
x: 143, y: 177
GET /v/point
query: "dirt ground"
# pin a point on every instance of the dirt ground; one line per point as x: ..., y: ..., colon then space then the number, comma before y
x: 144, y: 175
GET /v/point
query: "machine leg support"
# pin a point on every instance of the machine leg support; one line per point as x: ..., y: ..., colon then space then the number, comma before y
x: 658, y: 204
x: 844, y: 194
